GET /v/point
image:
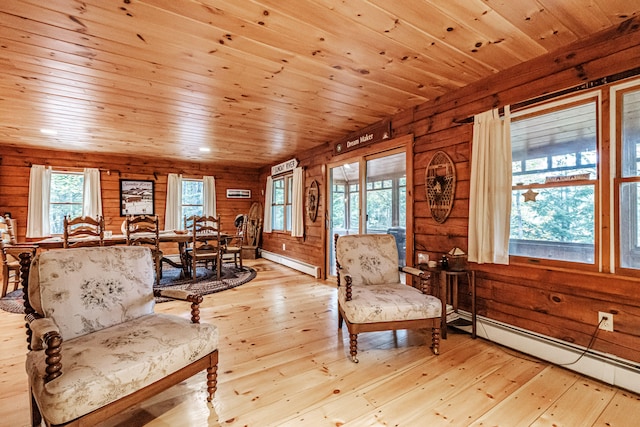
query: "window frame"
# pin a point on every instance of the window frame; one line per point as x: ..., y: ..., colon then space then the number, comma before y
x: 287, y: 180
x: 558, y: 104
x: 182, y: 204
x: 393, y: 185
x: 51, y: 204
x: 617, y: 94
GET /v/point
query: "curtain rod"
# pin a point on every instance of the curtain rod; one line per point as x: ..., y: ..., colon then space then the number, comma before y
x: 588, y: 85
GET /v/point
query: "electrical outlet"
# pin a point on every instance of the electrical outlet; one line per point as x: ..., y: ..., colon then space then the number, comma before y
x: 284, y: 247
x: 605, y: 320
x: 423, y: 258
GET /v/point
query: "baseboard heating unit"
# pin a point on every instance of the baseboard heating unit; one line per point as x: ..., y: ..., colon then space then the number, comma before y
x: 605, y: 367
x: 309, y: 269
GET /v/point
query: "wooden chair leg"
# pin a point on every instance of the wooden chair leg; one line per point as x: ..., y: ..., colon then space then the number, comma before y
x: 353, y: 347
x: 159, y: 267
x: 5, y: 282
x: 16, y: 280
x: 340, y: 320
x: 435, y: 340
x: 36, y: 416
x: 212, y: 381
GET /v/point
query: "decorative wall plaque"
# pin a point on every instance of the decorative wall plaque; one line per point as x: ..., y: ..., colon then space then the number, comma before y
x: 440, y: 180
x: 369, y: 135
x: 313, y: 199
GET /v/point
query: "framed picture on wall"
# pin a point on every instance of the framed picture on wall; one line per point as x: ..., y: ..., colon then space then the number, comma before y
x: 136, y: 197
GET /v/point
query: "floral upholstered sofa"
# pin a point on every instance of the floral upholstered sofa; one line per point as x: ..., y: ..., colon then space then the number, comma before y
x: 96, y: 345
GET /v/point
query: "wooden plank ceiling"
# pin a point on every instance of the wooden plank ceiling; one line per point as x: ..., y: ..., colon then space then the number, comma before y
x: 255, y: 82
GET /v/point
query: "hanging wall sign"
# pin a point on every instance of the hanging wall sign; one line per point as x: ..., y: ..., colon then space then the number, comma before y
x: 368, y: 135
x: 440, y: 180
x: 283, y: 167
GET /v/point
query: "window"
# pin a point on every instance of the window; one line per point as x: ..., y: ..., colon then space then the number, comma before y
x: 379, y: 205
x: 628, y: 177
x: 281, y: 203
x: 338, y: 208
x: 553, y: 209
x: 386, y: 204
x: 65, y: 198
x: 192, y: 197
x: 353, y: 207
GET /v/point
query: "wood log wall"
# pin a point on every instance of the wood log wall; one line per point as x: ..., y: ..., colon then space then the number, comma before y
x: 16, y: 163
x: 559, y: 303
x: 310, y: 248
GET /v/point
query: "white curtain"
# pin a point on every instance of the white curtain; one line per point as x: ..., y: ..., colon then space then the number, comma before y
x: 268, y: 198
x: 297, y: 203
x: 490, y: 192
x: 92, y: 196
x: 173, y: 211
x: 38, y: 209
x: 209, y: 197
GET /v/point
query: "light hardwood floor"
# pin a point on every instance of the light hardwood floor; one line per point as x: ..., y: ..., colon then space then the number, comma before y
x: 283, y: 362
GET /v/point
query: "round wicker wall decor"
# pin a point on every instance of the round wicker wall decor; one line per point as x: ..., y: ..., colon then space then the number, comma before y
x: 313, y: 199
x: 440, y: 182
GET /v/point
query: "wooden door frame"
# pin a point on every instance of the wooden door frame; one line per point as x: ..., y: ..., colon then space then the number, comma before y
x: 405, y: 142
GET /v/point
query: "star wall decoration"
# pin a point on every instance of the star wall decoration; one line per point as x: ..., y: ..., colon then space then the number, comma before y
x: 530, y: 196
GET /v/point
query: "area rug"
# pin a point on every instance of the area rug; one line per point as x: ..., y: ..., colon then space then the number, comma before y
x: 12, y: 302
x: 206, y: 283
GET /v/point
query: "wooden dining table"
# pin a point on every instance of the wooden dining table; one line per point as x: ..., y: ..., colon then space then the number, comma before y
x: 179, y: 237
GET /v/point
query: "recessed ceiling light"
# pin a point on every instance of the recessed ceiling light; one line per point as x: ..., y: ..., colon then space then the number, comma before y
x: 49, y: 131
x: 205, y: 149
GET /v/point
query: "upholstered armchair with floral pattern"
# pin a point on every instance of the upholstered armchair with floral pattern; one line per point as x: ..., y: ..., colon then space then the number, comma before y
x: 96, y: 346
x: 371, y: 296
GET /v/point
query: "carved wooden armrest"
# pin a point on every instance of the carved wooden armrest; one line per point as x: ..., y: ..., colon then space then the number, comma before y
x: 182, y: 295
x: 423, y: 277
x: 42, y: 329
x: 415, y: 272
x: 348, y: 282
x: 46, y: 335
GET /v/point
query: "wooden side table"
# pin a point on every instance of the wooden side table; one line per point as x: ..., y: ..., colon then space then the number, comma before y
x: 449, y: 279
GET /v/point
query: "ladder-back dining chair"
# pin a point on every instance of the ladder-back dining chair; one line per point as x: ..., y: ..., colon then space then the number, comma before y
x: 10, y: 269
x: 205, y: 244
x: 143, y: 230
x: 233, y: 244
x: 83, y: 231
x: 10, y: 251
x: 10, y: 264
